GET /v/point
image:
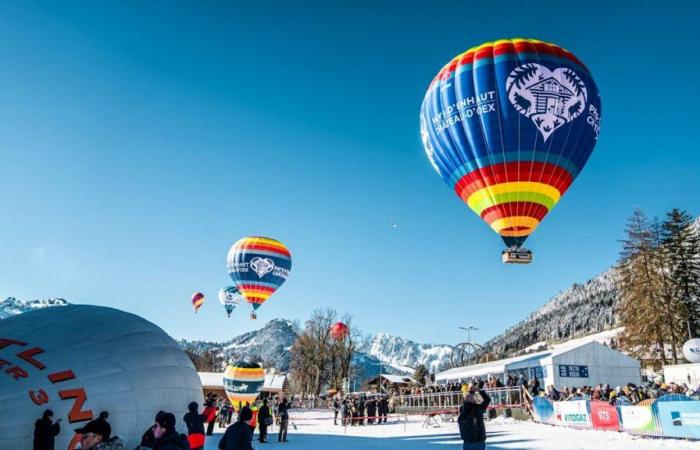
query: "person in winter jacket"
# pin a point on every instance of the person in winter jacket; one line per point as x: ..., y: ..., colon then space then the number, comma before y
x: 265, y: 419
x: 195, y: 426
x: 95, y: 435
x: 471, y: 421
x: 45, y: 430
x: 210, y: 413
x: 283, y: 411
x: 167, y: 437
x: 148, y: 438
x: 239, y: 436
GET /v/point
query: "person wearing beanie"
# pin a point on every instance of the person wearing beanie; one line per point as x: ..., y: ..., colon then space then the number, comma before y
x: 45, y: 431
x: 195, y: 426
x: 97, y: 435
x: 167, y: 437
x: 239, y: 436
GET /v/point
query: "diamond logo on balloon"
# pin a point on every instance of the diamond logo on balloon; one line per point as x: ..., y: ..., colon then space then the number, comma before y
x: 549, y: 98
x: 262, y: 266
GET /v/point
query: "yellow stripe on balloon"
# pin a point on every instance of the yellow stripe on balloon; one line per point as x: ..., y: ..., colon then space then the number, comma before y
x: 529, y: 223
x: 485, y: 197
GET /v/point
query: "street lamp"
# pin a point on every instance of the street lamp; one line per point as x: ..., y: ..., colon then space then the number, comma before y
x: 469, y: 330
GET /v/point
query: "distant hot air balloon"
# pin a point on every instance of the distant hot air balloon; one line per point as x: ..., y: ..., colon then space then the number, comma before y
x: 339, y: 331
x: 197, y: 300
x: 243, y: 382
x: 79, y: 360
x: 691, y: 350
x: 509, y: 125
x: 230, y: 297
x: 258, y: 266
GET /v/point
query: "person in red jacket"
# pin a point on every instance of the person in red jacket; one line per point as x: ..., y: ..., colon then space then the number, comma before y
x: 210, y: 414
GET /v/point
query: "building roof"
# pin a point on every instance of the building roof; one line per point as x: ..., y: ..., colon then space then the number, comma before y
x: 394, y: 379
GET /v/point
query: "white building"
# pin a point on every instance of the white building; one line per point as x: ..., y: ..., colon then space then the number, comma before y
x: 581, y: 364
x: 683, y: 373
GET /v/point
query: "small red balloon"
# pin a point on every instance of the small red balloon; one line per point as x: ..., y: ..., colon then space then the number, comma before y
x: 339, y: 330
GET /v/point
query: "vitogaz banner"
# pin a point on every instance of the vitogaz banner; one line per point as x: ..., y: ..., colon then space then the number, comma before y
x: 680, y: 418
x: 572, y: 413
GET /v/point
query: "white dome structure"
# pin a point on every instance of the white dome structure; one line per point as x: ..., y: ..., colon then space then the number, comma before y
x: 80, y: 360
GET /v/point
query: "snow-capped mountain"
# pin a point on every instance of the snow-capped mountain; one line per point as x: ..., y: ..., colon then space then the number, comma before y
x: 272, y: 343
x: 269, y: 345
x: 405, y: 355
x: 11, y: 306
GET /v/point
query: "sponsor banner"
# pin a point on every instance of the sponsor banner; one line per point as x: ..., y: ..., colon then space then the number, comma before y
x: 543, y: 410
x: 604, y: 416
x: 572, y: 413
x: 637, y: 419
x: 680, y: 419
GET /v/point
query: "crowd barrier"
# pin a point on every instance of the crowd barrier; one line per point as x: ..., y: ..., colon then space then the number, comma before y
x: 673, y: 416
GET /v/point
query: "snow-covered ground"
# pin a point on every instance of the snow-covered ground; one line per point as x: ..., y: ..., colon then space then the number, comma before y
x: 315, y: 431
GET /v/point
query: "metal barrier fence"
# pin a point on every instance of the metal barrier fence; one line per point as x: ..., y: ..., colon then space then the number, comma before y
x: 506, y: 397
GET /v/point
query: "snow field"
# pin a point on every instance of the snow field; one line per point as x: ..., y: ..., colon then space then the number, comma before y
x: 315, y: 431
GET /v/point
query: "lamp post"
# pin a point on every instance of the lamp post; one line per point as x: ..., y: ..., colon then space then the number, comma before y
x: 469, y: 330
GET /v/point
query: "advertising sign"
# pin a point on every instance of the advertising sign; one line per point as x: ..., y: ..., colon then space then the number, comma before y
x: 543, y: 410
x: 637, y: 419
x: 604, y: 416
x: 572, y: 413
x: 680, y: 419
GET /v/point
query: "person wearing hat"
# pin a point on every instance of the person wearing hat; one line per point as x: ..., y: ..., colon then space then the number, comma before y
x: 471, y: 420
x: 239, y: 436
x: 167, y: 437
x: 45, y: 430
x: 95, y: 435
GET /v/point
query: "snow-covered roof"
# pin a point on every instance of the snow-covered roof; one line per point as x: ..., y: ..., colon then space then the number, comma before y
x: 486, y: 368
x: 275, y: 383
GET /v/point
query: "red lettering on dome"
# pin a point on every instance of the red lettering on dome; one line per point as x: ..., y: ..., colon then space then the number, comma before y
x: 28, y: 354
x: 76, y: 413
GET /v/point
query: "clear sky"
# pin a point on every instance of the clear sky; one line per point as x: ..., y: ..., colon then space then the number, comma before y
x: 139, y: 140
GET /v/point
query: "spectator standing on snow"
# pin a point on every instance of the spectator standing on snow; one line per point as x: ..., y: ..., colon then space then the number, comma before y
x: 210, y: 413
x: 45, y: 431
x: 371, y: 410
x: 336, y: 410
x: 471, y: 421
x: 167, y: 437
x: 148, y: 438
x: 239, y: 436
x: 384, y: 409
x: 194, y: 421
x: 283, y: 411
x: 265, y: 419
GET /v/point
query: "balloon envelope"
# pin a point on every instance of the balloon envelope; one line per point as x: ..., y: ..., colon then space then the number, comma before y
x: 691, y: 350
x: 79, y: 360
x: 230, y: 297
x: 258, y: 266
x: 243, y: 382
x: 197, y: 300
x: 508, y: 125
x: 339, y: 330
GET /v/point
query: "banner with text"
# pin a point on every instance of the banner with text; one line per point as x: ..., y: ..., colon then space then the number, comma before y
x: 604, y: 416
x: 572, y: 413
x: 637, y: 419
x: 680, y: 419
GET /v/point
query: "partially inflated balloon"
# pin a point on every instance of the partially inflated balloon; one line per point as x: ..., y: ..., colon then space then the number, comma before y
x: 509, y: 125
x: 230, y: 297
x: 339, y: 330
x: 79, y: 360
x: 258, y: 266
x: 197, y: 300
x: 243, y: 382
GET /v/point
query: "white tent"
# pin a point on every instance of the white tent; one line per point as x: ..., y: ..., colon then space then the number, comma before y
x: 579, y: 364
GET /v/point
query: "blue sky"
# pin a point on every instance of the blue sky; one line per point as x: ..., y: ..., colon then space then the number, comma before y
x: 139, y: 140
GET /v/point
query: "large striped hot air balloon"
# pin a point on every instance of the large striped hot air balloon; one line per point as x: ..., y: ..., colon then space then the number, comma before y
x: 509, y: 125
x: 258, y: 266
x: 197, y: 300
x: 243, y: 382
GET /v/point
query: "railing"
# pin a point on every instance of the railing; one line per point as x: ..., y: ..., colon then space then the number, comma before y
x: 506, y: 397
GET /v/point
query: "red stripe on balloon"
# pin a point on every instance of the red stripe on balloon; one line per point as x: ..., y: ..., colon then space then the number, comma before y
x: 548, y: 173
x: 268, y: 248
x: 503, y: 210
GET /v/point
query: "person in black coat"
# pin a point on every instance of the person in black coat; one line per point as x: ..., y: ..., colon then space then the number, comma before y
x: 371, y: 410
x: 45, y: 431
x: 167, y: 437
x: 283, y: 412
x: 471, y: 420
x: 195, y: 426
x: 264, y: 420
x: 239, y: 436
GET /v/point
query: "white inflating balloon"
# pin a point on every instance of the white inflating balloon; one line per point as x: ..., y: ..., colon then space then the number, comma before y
x: 691, y: 350
x: 119, y: 362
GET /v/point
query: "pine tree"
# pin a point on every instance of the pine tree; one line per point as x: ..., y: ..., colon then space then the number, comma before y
x: 639, y: 307
x: 682, y: 241
x: 420, y: 373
